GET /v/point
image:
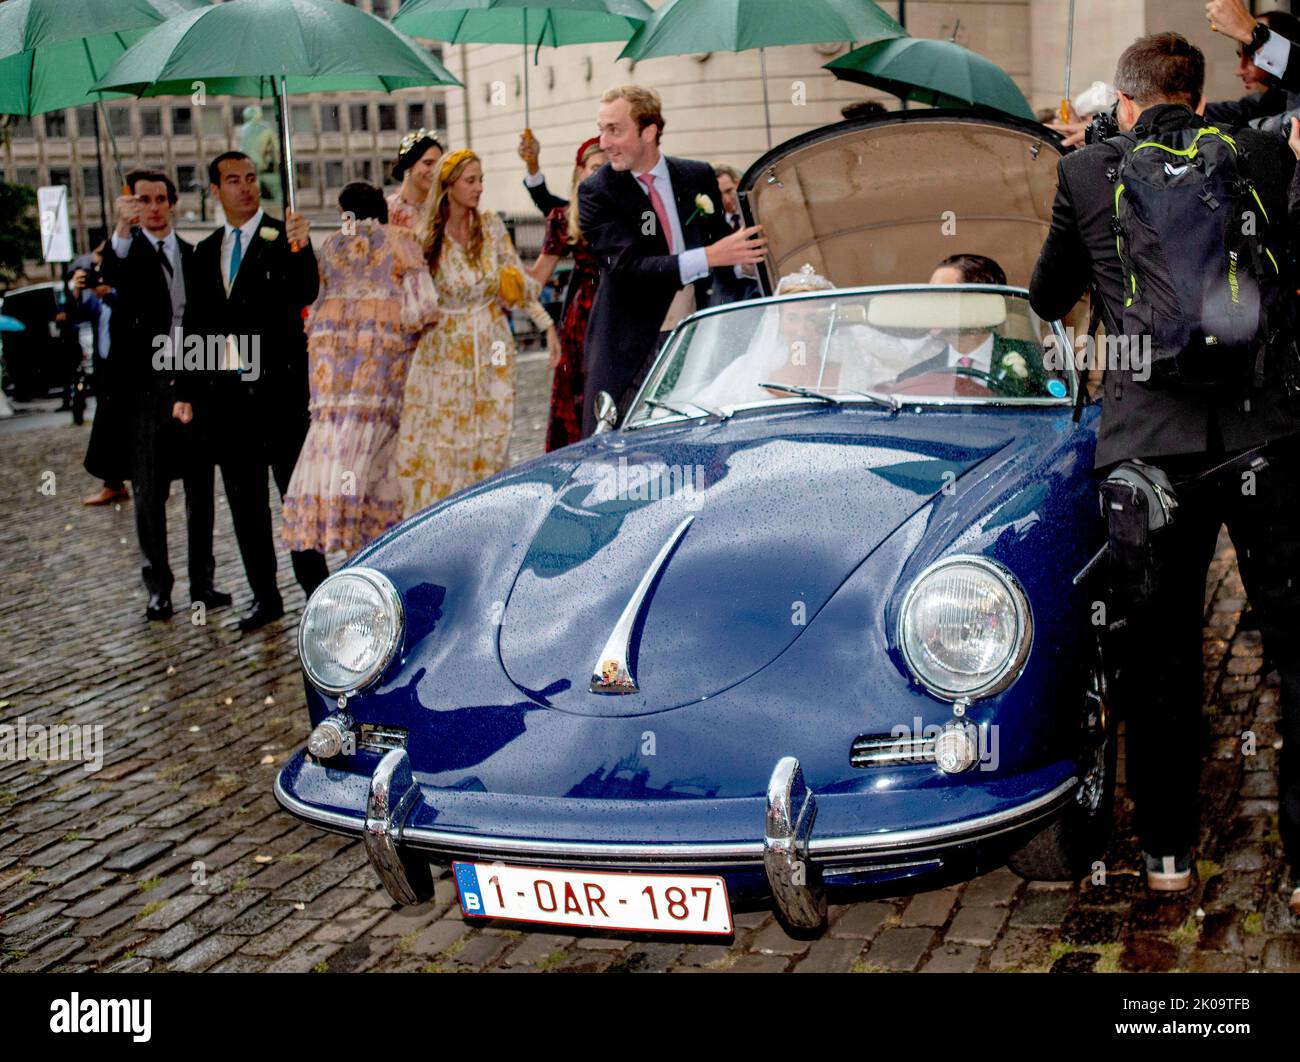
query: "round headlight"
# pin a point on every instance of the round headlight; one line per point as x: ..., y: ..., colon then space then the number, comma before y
x: 350, y: 630
x: 965, y: 628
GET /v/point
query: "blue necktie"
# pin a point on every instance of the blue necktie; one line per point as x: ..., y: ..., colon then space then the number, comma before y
x: 236, y: 255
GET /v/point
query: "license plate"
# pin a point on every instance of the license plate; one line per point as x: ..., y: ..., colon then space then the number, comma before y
x: 662, y: 903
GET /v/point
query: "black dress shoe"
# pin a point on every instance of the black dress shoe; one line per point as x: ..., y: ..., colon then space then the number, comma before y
x: 159, y: 607
x: 263, y: 612
x: 211, y: 598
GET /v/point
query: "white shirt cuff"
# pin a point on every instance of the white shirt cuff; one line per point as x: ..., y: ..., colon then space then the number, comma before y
x: 532, y: 180
x: 693, y: 265
x: 1273, y: 55
x: 121, y: 247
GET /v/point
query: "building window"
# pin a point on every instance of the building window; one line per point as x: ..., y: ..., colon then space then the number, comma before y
x: 329, y: 117
x: 362, y: 170
x: 20, y: 128
x: 387, y: 117
x: 212, y: 121
x: 90, y: 181
x: 119, y: 120
x: 436, y: 51
x: 151, y: 121
x: 304, y: 174
x: 301, y: 118
x: 26, y: 175
x: 185, y: 174
x: 182, y: 121
x: 85, y: 121
x: 56, y: 124
x: 440, y: 115
x: 414, y: 115
x: 380, y: 8
x: 334, y: 173
x: 61, y: 175
x: 359, y: 117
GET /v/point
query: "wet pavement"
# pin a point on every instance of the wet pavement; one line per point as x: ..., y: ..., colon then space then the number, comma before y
x: 175, y: 856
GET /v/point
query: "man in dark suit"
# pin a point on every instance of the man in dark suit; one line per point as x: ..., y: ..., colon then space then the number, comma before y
x: 252, y: 279
x: 732, y: 283
x: 1265, y: 97
x: 1188, y: 435
x: 1269, y: 45
x: 983, y: 351
x: 148, y: 266
x: 654, y: 224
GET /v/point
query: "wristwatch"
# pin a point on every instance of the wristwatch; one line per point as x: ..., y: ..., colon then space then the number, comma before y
x: 1258, y: 37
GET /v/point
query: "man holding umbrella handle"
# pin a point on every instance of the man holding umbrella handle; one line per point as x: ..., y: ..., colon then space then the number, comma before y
x: 252, y: 278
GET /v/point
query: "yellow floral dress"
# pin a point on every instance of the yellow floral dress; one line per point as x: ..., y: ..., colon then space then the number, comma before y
x: 459, y: 402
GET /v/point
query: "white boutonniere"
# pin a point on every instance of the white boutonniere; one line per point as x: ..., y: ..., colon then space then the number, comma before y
x: 1015, y: 363
x: 703, y: 205
x: 268, y: 233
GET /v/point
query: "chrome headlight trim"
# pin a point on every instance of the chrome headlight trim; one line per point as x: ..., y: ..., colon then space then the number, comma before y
x: 392, y: 600
x: 1010, y: 669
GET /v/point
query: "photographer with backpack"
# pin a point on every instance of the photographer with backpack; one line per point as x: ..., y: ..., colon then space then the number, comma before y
x: 1182, y: 233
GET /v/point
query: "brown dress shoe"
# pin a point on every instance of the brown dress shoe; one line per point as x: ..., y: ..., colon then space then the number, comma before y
x: 106, y: 496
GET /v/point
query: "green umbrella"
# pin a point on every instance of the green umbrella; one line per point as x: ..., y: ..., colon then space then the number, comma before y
x: 274, y: 47
x: 941, y: 73
x: 53, y: 51
x: 527, y: 22
x: 683, y: 27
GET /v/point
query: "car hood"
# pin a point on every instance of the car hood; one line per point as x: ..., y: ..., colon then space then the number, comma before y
x: 883, y: 202
x: 781, y: 509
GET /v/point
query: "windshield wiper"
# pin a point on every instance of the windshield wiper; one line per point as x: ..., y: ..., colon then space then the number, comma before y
x: 803, y: 392
x: 664, y: 405
x: 682, y: 413
x: 889, y: 402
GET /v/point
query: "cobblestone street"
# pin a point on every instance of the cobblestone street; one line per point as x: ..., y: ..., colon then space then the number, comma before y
x: 175, y: 855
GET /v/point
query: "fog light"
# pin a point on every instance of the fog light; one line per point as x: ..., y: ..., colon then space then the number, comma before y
x: 331, y: 737
x: 956, y: 747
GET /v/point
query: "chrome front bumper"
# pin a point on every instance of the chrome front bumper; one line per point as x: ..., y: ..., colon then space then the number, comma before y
x: 794, y: 862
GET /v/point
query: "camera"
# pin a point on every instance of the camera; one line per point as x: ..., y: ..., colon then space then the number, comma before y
x: 1104, y: 125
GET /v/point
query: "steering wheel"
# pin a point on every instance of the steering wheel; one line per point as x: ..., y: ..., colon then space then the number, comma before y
x: 997, y: 386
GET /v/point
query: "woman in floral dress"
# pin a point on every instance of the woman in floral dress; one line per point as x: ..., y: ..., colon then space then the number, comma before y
x: 564, y: 237
x: 375, y: 293
x: 417, y: 165
x: 459, y: 403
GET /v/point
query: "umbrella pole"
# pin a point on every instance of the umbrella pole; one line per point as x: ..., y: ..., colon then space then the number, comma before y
x: 112, y: 143
x: 99, y: 165
x: 527, y: 123
x: 767, y: 109
x: 286, y: 147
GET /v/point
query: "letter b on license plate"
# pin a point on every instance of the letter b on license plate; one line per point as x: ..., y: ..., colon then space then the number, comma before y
x: 662, y: 903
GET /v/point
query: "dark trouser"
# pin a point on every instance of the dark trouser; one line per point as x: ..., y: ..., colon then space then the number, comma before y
x: 1160, y: 651
x: 624, y: 399
x: 276, y: 440
x: 161, y: 447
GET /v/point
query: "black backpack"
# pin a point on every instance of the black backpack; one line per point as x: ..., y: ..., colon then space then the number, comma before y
x: 1193, y: 239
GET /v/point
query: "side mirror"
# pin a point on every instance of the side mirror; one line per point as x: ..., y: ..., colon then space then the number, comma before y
x: 606, y: 413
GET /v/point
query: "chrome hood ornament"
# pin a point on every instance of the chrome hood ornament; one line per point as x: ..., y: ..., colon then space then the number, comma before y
x: 612, y: 673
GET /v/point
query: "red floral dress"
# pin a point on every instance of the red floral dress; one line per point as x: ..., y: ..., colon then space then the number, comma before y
x: 565, y: 425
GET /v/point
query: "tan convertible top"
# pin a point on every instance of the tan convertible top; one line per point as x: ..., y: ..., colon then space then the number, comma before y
x: 885, y: 202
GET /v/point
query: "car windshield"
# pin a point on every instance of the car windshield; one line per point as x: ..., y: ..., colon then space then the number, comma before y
x: 929, y: 345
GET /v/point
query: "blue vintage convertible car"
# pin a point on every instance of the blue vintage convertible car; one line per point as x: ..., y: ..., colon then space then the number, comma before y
x: 805, y: 623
